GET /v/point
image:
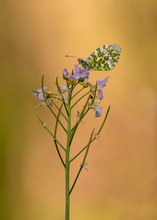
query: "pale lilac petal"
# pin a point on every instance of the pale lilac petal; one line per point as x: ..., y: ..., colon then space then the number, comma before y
x: 102, y: 83
x: 77, y: 68
x: 98, y: 112
x: 100, y: 94
x: 98, y: 109
x: 66, y: 74
x: 39, y: 93
x: 80, y: 74
x: 64, y: 89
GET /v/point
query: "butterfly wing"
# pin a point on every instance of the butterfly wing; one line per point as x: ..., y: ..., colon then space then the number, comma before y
x: 103, y: 58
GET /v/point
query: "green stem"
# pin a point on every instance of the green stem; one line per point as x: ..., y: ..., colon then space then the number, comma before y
x: 55, y: 135
x: 67, y: 187
x: 93, y: 139
x: 82, y: 150
x: 77, y: 92
x: 67, y: 159
x: 83, y: 162
x: 80, y: 99
x: 48, y: 130
x: 106, y: 115
x: 82, y: 114
x: 58, y: 109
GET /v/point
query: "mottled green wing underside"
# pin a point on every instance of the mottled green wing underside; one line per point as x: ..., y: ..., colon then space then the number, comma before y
x: 103, y: 58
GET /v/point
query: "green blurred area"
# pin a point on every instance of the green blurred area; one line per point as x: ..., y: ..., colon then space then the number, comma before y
x: 122, y: 170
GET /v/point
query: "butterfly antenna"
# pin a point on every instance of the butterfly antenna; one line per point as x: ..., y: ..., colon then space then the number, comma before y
x: 71, y: 56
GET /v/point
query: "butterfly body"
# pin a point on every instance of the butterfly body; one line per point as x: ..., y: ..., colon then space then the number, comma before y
x: 104, y: 58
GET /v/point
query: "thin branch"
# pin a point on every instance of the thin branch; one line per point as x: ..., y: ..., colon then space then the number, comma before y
x: 79, y: 120
x: 80, y: 99
x: 46, y: 128
x: 77, y: 93
x: 82, y: 149
x: 83, y: 162
x: 47, y: 104
x: 94, y: 138
x: 58, y: 109
x: 55, y: 134
x: 106, y: 115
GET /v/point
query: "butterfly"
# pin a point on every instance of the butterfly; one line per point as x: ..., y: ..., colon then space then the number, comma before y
x: 103, y: 58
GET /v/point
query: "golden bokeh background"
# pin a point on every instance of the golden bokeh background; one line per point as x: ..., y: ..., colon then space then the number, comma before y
x: 121, y: 180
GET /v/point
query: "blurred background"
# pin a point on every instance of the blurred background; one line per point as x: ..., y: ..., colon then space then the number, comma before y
x: 121, y: 180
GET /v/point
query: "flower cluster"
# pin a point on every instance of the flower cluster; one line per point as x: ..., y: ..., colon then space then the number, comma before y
x: 77, y: 76
x: 68, y: 112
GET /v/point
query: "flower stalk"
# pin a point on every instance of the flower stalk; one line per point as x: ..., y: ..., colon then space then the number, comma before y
x: 63, y: 105
x: 67, y: 167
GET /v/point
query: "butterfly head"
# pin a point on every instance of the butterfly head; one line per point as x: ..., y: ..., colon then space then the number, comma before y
x: 83, y: 64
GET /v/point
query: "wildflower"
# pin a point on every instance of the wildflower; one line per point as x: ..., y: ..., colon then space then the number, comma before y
x: 39, y: 94
x: 44, y: 96
x: 98, y: 109
x: 100, y: 85
x: 64, y: 89
x: 77, y: 75
x: 80, y: 74
x: 66, y: 75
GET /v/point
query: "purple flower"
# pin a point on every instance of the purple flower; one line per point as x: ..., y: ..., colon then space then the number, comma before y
x: 64, y: 89
x: 66, y: 75
x: 79, y: 75
x: 100, y: 85
x: 39, y: 94
x: 98, y: 109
